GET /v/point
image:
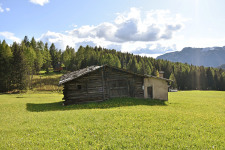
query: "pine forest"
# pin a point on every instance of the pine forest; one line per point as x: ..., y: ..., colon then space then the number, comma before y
x: 20, y: 61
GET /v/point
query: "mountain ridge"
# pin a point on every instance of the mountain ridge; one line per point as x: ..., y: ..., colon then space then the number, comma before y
x: 208, y: 57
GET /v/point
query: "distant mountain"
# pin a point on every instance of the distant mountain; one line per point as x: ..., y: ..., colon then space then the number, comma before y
x: 208, y: 57
x: 222, y: 66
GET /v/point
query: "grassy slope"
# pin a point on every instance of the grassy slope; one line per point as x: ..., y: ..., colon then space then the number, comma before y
x: 190, y: 120
x: 47, y: 82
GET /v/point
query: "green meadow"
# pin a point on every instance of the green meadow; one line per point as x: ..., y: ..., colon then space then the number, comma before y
x: 189, y: 120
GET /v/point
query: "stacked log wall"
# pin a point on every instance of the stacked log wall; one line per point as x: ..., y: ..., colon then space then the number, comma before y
x: 91, y: 88
x: 95, y: 86
x: 134, y: 82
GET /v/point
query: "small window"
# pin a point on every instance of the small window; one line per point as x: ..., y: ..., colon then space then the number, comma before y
x: 78, y: 87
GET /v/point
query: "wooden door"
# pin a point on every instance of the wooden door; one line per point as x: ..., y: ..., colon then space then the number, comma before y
x: 150, y: 92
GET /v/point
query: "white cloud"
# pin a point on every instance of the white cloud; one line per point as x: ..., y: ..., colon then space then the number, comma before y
x: 7, y: 9
x: 134, y: 31
x: 10, y: 36
x: 1, y: 9
x: 60, y: 40
x: 40, y: 2
x: 133, y: 26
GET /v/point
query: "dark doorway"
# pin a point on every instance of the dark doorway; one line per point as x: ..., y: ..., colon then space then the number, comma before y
x: 150, y: 92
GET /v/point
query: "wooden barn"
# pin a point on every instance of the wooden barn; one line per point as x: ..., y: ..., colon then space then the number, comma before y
x: 98, y: 83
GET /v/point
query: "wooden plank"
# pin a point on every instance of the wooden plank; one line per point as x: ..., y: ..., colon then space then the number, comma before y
x: 103, y: 94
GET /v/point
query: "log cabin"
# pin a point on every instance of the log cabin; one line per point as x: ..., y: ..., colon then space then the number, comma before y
x: 99, y: 83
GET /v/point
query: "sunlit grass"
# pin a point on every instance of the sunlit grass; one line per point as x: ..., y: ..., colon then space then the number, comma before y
x: 47, y: 82
x: 189, y: 120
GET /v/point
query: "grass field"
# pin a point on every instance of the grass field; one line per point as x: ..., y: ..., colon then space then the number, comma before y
x: 189, y: 120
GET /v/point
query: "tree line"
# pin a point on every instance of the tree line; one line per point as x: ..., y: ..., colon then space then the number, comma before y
x: 20, y: 61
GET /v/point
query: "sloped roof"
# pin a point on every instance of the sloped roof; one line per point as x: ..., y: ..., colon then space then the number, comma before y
x: 75, y: 74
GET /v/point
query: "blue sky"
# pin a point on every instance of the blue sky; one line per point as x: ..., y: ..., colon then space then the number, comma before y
x: 144, y: 27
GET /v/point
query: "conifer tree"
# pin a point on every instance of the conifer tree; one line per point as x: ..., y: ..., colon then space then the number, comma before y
x: 26, y: 41
x: 5, y: 66
x: 156, y: 73
x: 38, y: 62
x: 67, y: 56
x: 19, y: 69
x: 209, y: 76
x: 53, y: 53
x: 174, y: 83
x: 133, y: 65
x: 46, y: 58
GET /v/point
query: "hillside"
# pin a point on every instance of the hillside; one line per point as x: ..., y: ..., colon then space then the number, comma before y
x: 208, y: 57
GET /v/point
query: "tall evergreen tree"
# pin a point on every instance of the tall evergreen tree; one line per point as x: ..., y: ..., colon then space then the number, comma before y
x: 209, y: 75
x: 33, y: 43
x: 55, y: 56
x: 46, y: 58
x: 174, y: 83
x: 133, y: 65
x: 19, y: 69
x: 5, y: 69
x: 156, y: 73
x: 26, y: 41
x: 67, y: 56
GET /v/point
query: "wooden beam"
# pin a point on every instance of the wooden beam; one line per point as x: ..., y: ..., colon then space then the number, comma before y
x: 103, y: 87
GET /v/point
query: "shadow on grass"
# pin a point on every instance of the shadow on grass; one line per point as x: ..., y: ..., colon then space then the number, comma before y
x: 112, y: 103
